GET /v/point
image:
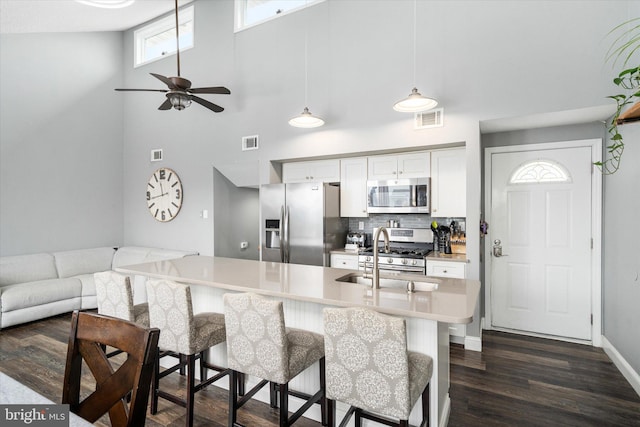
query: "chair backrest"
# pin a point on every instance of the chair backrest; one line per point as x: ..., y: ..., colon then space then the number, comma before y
x: 256, y: 336
x: 366, y: 360
x: 89, y: 334
x: 114, y: 295
x: 171, y: 311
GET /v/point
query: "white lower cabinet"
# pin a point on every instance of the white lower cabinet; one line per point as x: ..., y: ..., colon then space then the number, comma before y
x: 456, y: 270
x: 344, y: 261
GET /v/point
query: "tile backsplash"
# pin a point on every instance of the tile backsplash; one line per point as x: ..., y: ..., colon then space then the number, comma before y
x: 404, y: 220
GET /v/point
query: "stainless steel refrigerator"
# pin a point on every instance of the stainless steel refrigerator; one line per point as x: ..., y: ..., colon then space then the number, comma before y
x: 301, y: 222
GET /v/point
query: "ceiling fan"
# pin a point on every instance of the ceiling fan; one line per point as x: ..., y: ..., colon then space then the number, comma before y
x: 180, y: 93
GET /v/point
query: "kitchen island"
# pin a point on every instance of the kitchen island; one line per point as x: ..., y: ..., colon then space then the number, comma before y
x: 306, y: 290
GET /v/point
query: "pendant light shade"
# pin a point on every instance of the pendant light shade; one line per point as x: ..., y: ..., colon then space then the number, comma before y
x: 306, y: 120
x: 414, y: 103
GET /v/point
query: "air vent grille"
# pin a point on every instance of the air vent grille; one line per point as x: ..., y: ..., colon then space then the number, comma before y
x: 429, y: 119
x: 250, y: 142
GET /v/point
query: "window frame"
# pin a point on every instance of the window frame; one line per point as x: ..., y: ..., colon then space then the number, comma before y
x: 159, y: 26
x: 240, y: 10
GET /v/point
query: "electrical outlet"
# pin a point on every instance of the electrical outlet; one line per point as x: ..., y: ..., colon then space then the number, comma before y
x: 360, y: 225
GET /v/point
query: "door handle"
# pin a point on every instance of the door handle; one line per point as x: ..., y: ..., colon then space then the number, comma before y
x: 282, y: 241
x: 497, y: 249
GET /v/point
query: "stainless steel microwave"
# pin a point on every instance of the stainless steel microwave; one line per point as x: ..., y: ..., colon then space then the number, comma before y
x: 399, y: 196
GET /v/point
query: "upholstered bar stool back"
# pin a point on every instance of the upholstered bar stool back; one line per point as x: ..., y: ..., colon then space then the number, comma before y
x: 259, y: 344
x: 188, y: 335
x: 115, y: 298
x: 368, y: 366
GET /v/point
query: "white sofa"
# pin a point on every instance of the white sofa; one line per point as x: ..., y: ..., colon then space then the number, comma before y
x: 41, y: 285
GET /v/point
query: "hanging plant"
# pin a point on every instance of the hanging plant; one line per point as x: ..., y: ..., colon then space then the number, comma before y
x: 624, y: 46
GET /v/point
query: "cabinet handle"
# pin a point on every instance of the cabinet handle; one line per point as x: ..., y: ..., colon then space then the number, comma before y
x: 400, y: 172
x: 394, y: 172
x: 444, y: 271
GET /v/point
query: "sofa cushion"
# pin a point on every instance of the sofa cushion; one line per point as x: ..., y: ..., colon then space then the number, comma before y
x: 32, y: 294
x: 83, y: 261
x: 27, y: 268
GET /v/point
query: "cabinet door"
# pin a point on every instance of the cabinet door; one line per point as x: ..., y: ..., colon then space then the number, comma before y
x: 326, y: 170
x: 449, y: 183
x: 318, y: 171
x: 296, y: 172
x: 383, y: 167
x: 353, y: 187
x: 414, y: 165
x: 457, y: 270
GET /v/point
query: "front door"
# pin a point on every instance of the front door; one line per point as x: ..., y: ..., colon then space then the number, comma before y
x: 540, y: 240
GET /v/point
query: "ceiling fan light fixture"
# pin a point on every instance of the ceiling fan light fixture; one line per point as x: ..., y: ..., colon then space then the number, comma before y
x: 415, y: 103
x: 179, y: 101
x: 306, y: 120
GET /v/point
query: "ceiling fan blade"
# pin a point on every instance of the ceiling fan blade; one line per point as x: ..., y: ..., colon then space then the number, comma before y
x: 165, y: 80
x: 166, y: 105
x: 205, y: 103
x: 217, y: 89
x: 142, y: 90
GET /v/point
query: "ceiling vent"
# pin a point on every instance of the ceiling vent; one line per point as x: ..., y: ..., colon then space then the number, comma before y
x: 156, y: 155
x: 429, y: 119
x: 250, y: 142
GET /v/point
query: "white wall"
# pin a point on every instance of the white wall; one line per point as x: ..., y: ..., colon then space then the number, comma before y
x: 621, y: 235
x: 61, y: 170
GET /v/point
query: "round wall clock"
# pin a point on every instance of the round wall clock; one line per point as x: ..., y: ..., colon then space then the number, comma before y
x: 164, y: 194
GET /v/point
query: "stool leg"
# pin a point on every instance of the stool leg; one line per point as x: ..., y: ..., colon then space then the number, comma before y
x: 425, y: 407
x: 273, y: 395
x: 191, y: 383
x: 203, y: 368
x: 331, y: 413
x: 233, y: 397
x: 284, y: 404
x: 155, y: 384
x: 323, y: 387
x: 403, y: 423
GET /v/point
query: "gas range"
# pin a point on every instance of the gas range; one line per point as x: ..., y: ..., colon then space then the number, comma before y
x: 408, y: 248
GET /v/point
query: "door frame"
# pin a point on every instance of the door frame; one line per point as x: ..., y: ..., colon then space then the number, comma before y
x: 596, y: 231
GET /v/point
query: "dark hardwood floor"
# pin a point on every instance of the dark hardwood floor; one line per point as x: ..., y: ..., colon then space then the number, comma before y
x: 515, y: 381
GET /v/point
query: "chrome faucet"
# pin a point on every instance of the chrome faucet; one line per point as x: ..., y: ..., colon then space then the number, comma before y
x: 375, y: 274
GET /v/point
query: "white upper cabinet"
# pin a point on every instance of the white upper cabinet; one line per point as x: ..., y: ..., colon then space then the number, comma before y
x: 449, y: 183
x: 353, y: 187
x: 410, y: 165
x: 317, y: 170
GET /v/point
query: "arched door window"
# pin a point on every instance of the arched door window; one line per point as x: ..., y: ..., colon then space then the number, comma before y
x: 540, y: 171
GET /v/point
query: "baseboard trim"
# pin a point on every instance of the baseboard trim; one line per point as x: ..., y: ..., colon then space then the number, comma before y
x: 446, y: 411
x: 623, y: 366
x: 473, y: 343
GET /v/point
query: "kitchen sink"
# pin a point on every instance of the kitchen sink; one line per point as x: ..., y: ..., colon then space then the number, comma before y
x: 389, y: 282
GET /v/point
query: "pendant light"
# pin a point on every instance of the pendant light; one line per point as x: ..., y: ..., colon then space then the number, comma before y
x: 306, y: 119
x: 415, y: 102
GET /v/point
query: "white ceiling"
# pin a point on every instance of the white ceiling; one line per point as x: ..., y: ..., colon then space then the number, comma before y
x: 54, y: 16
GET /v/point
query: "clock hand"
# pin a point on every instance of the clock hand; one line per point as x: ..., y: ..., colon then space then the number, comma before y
x: 159, y: 195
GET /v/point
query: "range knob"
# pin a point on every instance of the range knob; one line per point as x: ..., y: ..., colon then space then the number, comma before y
x: 367, y: 259
x: 390, y: 260
x: 405, y: 261
x: 414, y: 262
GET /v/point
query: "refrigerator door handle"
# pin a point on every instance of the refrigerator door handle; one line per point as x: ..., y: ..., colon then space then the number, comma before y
x: 281, y: 234
x: 286, y: 235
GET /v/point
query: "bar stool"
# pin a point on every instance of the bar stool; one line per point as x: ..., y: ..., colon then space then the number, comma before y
x: 259, y: 344
x: 369, y: 367
x: 115, y: 298
x: 188, y: 335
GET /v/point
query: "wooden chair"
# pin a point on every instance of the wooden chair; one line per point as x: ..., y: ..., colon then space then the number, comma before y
x: 89, y: 334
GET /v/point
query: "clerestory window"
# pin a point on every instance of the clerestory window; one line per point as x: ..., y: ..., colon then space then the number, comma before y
x: 253, y: 12
x: 158, y: 39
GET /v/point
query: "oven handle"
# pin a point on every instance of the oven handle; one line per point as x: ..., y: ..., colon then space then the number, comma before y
x: 398, y: 268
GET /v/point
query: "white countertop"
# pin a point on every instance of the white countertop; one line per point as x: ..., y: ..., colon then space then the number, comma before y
x: 439, y: 256
x: 453, y: 302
